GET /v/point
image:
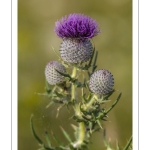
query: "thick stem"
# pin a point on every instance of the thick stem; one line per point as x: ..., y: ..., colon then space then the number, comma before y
x: 81, y: 135
x: 74, y: 72
x: 73, y: 87
x: 81, y: 132
x: 73, y: 93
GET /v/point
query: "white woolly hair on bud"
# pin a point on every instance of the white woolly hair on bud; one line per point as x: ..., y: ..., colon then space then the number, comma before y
x: 52, y: 76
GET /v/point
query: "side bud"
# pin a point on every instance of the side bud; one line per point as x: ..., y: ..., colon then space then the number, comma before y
x: 73, y: 50
x: 101, y: 82
x: 52, y: 76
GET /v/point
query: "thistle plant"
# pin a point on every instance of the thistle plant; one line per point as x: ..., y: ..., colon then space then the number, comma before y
x: 78, y: 54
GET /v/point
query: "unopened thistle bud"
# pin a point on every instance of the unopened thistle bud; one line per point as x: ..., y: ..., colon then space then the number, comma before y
x: 52, y: 76
x: 101, y: 82
x: 76, y: 30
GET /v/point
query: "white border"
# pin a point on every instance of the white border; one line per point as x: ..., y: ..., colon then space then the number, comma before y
x: 140, y: 130
x: 14, y: 75
x: 135, y: 73
x: 5, y: 74
x: 144, y: 74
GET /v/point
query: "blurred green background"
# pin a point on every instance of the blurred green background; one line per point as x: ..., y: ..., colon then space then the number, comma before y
x: 36, y: 21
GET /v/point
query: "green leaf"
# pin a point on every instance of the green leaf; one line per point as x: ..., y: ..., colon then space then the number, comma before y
x: 33, y: 131
x: 76, y: 131
x: 113, y: 105
x: 118, y: 146
x: 94, y: 63
x: 91, y: 58
x: 48, y: 89
x: 56, y: 139
x: 49, y: 104
x: 67, y: 76
x: 66, y: 135
x: 47, y: 139
x: 74, y: 127
x: 128, y: 144
x: 55, y: 52
x: 108, y: 95
x: 99, y: 123
x: 59, y: 95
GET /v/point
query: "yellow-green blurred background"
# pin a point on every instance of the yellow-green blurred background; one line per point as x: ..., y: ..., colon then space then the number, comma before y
x: 36, y: 21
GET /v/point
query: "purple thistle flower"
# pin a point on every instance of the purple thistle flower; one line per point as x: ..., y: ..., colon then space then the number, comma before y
x: 76, y: 26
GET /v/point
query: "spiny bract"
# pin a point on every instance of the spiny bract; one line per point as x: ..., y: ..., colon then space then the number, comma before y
x: 76, y: 50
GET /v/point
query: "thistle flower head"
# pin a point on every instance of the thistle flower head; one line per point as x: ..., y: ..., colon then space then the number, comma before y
x: 75, y: 50
x: 76, y: 26
x: 101, y: 82
x: 52, y: 76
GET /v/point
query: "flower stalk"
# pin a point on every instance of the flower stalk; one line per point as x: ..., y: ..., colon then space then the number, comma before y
x: 73, y: 86
x: 81, y: 136
x: 91, y: 102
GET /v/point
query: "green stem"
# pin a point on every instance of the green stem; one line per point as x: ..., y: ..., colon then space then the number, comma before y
x: 74, y: 72
x: 92, y: 100
x: 82, y: 132
x: 128, y: 144
x: 81, y: 135
x: 73, y: 88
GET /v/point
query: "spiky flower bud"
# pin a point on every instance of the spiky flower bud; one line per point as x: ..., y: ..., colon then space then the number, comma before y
x: 76, y: 50
x: 52, y: 76
x: 101, y: 82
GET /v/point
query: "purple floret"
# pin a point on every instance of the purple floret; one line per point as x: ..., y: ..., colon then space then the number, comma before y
x: 76, y: 26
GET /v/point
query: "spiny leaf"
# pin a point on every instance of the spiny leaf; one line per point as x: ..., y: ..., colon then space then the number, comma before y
x: 48, y: 148
x: 108, y: 95
x: 48, y: 87
x: 66, y: 135
x: 94, y: 64
x: 91, y: 57
x: 66, y: 75
x: 58, y: 109
x: 74, y: 127
x: 113, y: 104
x: 49, y: 104
x: 117, y: 145
x: 56, y: 53
x: 99, y: 123
x: 59, y: 95
x: 47, y: 139
x: 128, y: 144
x: 56, y: 139
x: 76, y: 131
x: 33, y: 131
